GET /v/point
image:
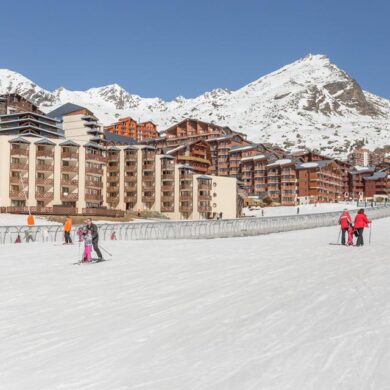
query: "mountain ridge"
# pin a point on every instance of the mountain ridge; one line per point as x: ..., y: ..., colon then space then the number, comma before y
x: 308, y: 103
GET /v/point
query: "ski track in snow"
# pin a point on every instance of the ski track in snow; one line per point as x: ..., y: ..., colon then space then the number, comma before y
x: 282, y: 311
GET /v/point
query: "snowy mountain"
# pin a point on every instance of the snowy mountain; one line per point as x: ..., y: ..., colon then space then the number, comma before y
x: 310, y: 102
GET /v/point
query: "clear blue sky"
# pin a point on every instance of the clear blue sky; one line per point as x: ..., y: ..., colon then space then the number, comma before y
x: 168, y: 48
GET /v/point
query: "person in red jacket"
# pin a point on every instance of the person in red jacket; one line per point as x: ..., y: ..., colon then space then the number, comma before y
x: 361, y: 222
x: 345, y: 221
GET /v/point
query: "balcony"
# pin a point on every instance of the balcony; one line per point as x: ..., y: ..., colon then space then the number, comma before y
x: 70, y: 168
x: 93, y: 184
x: 18, y: 180
x: 206, y: 198
x: 148, y: 167
x: 186, y: 198
x: 94, y: 171
x: 131, y: 157
x: 112, y: 198
x: 148, y: 199
x: 131, y: 168
x: 44, y: 167
x: 167, y: 188
x: 18, y: 195
x: 19, y: 152
x: 167, y: 198
x: 69, y: 155
x: 44, y: 195
x: 167, y: 209
x: 204, y: 209
x: 148, y: 187
x: 112, y: 179
x: 185, y: 209
x: 45, y: 153
x: 168, y: 177
x: 69, y: 182
x: 69, y: 197
x: 204, y: 186
x: 94, y: 197
x: 113, y: 168
x: 113, y: 157
x: 19, y: 167
x: 130, y: 179
x: 130, y: 199
x: 95, y: 157
x: 185, y: 177
x: 186, y: 186
x: 44, y: 181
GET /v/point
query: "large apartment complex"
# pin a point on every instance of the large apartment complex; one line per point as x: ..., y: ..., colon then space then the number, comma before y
x: 64, y: 163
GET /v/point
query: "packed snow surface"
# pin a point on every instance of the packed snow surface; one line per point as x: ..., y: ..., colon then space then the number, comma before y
x: 18, y: 220
x: 282, y: 311
x: 292, y: 210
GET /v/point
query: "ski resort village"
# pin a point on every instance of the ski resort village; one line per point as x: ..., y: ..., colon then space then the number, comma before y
x: 236, y: 240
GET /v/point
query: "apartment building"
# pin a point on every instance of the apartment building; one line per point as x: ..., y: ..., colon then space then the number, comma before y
x: 364, y: 157
x: 319, y: 181
x: 197, y: 154
x: 129, y: 127
x: 356, y: 182
x: 376, y: 185
x: 13, y: 103
x: 282, y: 181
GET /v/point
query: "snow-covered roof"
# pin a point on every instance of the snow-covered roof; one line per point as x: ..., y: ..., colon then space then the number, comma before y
x: 376, y: 176
x: 240, y: 148
x: 283, y: 161
x: 256, y: 157
x: 204, y: 177
x: 313, y: 164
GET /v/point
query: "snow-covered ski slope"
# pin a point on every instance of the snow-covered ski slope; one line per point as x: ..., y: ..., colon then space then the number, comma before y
x: 283, y: 311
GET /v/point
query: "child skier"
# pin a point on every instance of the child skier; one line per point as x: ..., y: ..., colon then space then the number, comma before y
x: 351, y: 232
x: 87, y: 255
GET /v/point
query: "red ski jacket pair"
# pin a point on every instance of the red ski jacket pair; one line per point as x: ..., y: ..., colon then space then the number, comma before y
x: 361, y: 221
x: 345, y: 220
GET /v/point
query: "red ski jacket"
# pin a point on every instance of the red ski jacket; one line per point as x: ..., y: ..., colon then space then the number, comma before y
x: 361, y: 221
x: 345, y: 219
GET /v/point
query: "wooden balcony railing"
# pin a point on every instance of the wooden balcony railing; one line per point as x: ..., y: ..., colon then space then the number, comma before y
x: 148, y: 199
x: 44, y: 167
x: 69, y: 155
x: 69, y: 197
x: 18, y: 195
x: 45, y: 182
x: 95, y: 157
x: 94, y: 171
x: 19, y: 167
x: 18, y: 180
x: 93, y: 184
x: 204, y: 209
x: 44, y: 195
x: 69, y: 168
x: 94, y: 197
x: 66, y: 182
x: 45, y: 153
x: 19, y: 152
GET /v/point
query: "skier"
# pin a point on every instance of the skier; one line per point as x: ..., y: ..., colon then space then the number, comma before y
x: 87, y: 255
x: 345, y: 221
x: 113, y: 235
x: 361, y: 222
x: 30, y: 220
x: 18, y: 239
x: 67, y: 230
x: 92, y: 228
x: 29, y: 235
x: 297, y: 210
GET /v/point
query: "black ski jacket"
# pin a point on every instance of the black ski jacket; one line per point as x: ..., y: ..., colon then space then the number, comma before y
x: 94, y: 231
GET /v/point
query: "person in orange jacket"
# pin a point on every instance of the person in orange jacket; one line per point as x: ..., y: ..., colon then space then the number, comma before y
x: 30, y: 220
x: 361, y: 222
x: 67, y: 230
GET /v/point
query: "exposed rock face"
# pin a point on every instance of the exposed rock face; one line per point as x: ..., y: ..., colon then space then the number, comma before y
x: 309, y: 103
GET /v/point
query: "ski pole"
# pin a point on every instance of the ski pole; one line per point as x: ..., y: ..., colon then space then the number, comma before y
x: 105, y: 250
x: 369, y: 240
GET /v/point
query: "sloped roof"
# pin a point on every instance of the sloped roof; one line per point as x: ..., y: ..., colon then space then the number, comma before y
x: 44, y: 141
x: 66, y: 108
x: 19, y: 140
x: 69, y: 142
x: 376, y: 176
x: 120, y: 139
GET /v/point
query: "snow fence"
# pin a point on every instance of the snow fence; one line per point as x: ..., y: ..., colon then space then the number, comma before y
x: 173, y: 230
